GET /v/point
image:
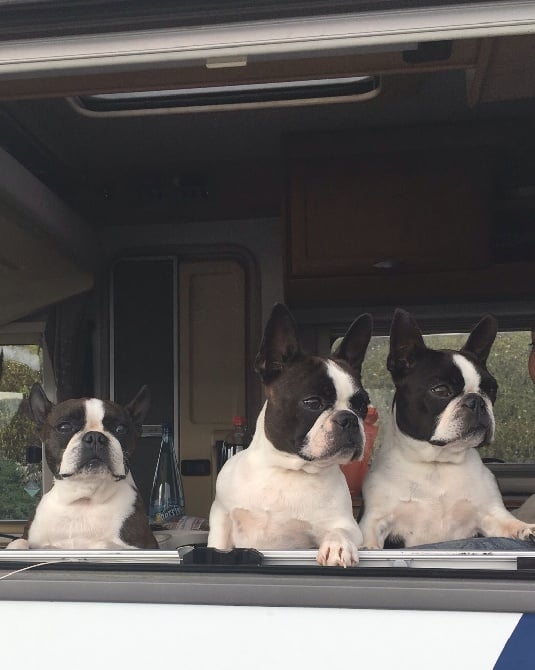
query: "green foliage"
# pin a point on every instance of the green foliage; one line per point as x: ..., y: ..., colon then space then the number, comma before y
x: 508, y: 362
x: 15, y: 503
x: 514, y: 440
x: 16, y: 431
x: 17, y: 376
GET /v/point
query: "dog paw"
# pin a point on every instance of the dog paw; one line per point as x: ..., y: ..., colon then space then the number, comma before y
x: 18, y: 544
x: 338, y: 552
x: 527, y: 533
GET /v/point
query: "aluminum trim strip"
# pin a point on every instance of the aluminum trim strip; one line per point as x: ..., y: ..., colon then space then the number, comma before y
x: 388, y: 558
x: 263, y: 39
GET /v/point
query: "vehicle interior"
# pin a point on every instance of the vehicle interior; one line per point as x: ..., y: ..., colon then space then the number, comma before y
x: 153, y: 211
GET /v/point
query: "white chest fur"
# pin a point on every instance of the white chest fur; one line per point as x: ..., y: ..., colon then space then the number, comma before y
x: 424, y: 494
x: 86, y: 513
x: 275, y: 500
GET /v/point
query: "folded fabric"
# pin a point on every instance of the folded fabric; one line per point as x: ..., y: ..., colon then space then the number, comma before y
x: 479, y: 544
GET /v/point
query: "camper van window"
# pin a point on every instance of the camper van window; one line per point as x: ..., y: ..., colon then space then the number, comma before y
x: 514, y: 440
x: 20, y: 480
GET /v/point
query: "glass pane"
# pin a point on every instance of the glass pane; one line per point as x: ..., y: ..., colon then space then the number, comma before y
x: 514, y: 440
x: 20, y: 482
x: 508, y: 361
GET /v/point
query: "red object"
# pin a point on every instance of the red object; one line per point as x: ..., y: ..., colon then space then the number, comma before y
x: 239, y: 421
x: 531, y: 362
x: 355, y: 471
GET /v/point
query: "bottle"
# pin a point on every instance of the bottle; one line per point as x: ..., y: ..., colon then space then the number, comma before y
x: 167, y: 494
x: 237, y: 440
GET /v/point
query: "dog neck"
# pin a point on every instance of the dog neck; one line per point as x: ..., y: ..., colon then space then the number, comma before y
x: 90, y: 489
x: 264, y: 451
x: 419, y: 451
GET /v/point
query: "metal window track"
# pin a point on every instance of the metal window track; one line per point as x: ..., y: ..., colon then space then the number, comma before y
x: 386, y: 558
x: 317, y: 36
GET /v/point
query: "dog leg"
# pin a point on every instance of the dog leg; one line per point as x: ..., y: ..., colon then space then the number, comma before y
x: 20, y: 543
x: 506, y: 525
x: 339, y: 547
x: 374, y: 531
x: 220, y: 535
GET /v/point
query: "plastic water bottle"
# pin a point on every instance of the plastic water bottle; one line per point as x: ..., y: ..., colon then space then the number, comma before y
x: 237, y: 440
x: 167, y: 494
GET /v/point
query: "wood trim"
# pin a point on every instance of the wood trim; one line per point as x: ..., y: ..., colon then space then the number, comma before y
x: 480, y: 72
x: 510, y: 72
x: 507, y: 281
x: 464, y: 55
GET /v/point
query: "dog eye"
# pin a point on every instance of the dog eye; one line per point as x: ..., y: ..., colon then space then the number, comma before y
x: 442, y: 391
x: 120, y: 429
x: 313, y: 403
x: 359, y: 405
x: 64, y: 427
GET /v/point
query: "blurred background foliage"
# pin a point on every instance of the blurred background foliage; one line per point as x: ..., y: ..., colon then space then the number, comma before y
x: 515, y: 405
x: 18, y: 480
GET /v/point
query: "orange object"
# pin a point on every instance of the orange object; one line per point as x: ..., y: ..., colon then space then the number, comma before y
x: 355, y: 471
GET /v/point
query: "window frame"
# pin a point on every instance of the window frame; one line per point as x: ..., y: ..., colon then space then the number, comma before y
x: 272, y: 38
x: 349, y: 589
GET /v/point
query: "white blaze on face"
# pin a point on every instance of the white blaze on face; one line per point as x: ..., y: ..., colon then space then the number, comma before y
x: 319, y: 440
x: 94, y: 415
x: 450, y: 425
x: 94, y: 421
x: 471, y: 376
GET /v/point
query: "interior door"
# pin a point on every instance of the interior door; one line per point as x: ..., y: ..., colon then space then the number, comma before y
x: 212, y: 335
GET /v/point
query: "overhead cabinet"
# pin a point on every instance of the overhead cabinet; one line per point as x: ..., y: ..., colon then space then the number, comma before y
x: 382, y: 216
x: 366, y: 213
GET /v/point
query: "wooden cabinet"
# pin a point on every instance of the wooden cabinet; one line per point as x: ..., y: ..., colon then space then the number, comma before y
x: 401, y: 212
x: 397, y: 217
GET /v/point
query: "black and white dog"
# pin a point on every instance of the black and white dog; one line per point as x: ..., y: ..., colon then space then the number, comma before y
x: 286, y: 491
x: 94, y: 503
x: 427, y: 482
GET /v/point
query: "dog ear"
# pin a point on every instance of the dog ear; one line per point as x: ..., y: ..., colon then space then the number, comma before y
x: 481, y: 338
x: 353, y: 346
x: 406, y: 343
x: 139, y: 406
x: 280, y: 344
x: 39, y: 404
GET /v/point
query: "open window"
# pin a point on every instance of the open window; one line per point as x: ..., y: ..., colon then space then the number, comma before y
x: 183, y: 228
x: 24, y: 362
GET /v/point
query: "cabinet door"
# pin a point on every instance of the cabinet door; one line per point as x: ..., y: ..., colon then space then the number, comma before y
x: 212, y: 334
x: 406, y: 211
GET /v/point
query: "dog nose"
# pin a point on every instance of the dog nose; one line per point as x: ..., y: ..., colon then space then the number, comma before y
x: 475, y: 403
x: 94, y: 439
x: 346, y: 419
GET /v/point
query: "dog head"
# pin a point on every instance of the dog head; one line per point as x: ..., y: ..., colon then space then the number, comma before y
x: 443, y: 397
x: 88, y: 437
x: 315, y: 406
